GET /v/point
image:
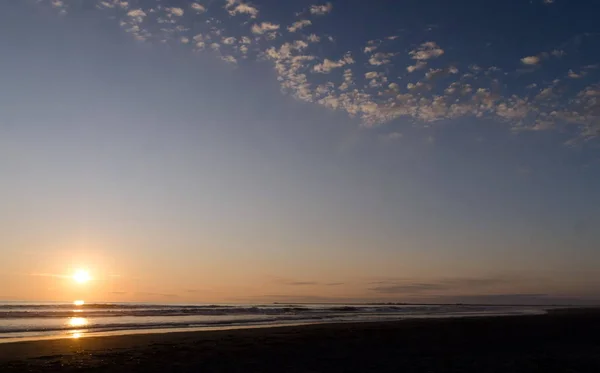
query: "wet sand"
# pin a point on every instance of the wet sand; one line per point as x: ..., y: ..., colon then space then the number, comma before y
x: 562, y: 341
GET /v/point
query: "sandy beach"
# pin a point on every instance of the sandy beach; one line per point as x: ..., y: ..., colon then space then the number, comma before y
x: 562, y: 341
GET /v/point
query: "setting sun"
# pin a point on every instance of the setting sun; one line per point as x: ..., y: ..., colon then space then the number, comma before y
x: 81, y: 276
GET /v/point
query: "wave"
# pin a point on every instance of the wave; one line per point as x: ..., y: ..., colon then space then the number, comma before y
x: 164, y: 325
x: 118, y: 310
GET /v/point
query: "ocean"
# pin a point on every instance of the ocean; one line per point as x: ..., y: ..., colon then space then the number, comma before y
x: 33, y: 321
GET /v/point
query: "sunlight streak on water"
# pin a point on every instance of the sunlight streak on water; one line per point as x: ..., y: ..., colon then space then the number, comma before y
x: 77, y: 321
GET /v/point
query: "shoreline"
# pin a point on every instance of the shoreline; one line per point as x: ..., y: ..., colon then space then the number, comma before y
x: 82, y: 333
x: 567, y: 337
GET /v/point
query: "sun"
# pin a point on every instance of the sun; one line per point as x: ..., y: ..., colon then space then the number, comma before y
x: 81, y: 276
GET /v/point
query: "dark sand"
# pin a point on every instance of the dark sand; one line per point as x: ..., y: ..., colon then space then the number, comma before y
x: 558, y: 342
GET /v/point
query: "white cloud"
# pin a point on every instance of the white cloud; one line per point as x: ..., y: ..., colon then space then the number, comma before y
x: 573, y: 75
x: 321, y: 9
x: 372, y: 46
x: 426, y: 51
x: 137, y: 15
x: 372, y: 74
x: 229, y: 40
x: 260, y: 29
x: 434, y: 73
x: 531, y: 60
x: 198, y: 7
x: 313, y: 38
x: 299, y: 25
x: 229, y: 59
x: 418, y: 66
x: 184, y: 40
x: 235, y: 7
x: 114, y: 4
x: 348, y: 80
x: 177, y: 12
x: 327, y: 65
x: 379, y: 59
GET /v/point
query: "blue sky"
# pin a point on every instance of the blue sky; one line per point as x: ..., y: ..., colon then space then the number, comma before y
x: 252, y: 151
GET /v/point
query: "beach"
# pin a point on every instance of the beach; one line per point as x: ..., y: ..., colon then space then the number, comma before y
x: 561, y: 341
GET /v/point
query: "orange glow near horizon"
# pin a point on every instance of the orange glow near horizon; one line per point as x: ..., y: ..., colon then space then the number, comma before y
x: 79, y: 302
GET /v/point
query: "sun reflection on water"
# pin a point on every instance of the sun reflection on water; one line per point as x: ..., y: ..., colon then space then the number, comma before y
x: 77, y: 321
x: 76, y: 335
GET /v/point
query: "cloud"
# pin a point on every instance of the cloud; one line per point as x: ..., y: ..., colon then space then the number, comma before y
x: 235, y: 7
x: 198, y: 7
x: 453, y: 285
x: 229, y: 59
x: 313, y: 38
x: 321, y: 9
x: 136, y: 13
x: 299, y: 25
x: 177, y: 12
x: 260, y: 29
x: 573, y: 75
x: 418, y: 66
x: 114, y: 4
x: 426, y: 51
x: 327, y: 65
x: 531, y: 60
x: 228, y: 40
x: 379, y: 59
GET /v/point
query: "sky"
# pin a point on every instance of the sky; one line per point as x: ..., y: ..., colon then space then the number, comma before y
x: 300, y: 151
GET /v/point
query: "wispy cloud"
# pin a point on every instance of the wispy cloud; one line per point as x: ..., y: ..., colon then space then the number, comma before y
x: 261, y: 28
x: 299, y: 25
x: 199, y: 8
x: 321, y: 9
x: 327, y: 65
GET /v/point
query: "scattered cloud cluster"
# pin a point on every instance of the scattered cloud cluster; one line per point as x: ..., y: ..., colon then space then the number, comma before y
x: 379, y: 82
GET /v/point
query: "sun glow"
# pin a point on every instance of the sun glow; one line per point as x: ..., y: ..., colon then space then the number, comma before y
x: 79, y: 303
x: 81, y: 276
